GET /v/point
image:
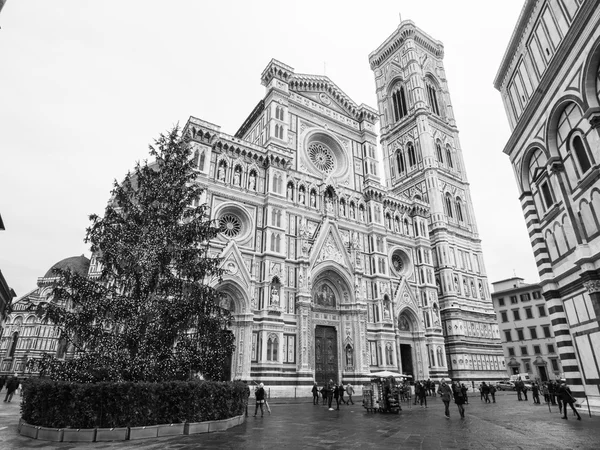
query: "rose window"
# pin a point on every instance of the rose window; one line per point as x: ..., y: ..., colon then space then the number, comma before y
x: 230, y: 225
x: 397, y: 262
x: 321, y: 157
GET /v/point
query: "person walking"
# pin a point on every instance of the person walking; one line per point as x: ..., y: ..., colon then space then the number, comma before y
x: 567, y: 399
x: 535, y: 393
x: 459, y: 399
x: 259, y: 394
x: 423, y: 396
x: 11, y: 386
x: 446, y: 394
x: 330, y: 388
x: 342, y: 391
x: 350, y: 392
x: 518, y: 388
x: 2, y: 382
x: 481, y: 392
x: 492, y: 393
x: 524, y: 390
x: 464, y: 391
x: 315, y: 393
x: 485, y: 390
x: 324, y: 394
x: 336, y: 395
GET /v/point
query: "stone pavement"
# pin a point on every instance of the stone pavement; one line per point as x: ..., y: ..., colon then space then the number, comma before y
x: 297, y: 424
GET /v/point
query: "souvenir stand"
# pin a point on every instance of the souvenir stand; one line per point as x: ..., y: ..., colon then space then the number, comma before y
x: 381, y: 394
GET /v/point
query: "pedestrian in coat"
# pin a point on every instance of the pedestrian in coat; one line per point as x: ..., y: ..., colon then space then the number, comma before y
x: 315, y: 393
x: 350, y: 392
x: 567, y: 399
x: 535, y: 393
x: 336, y: 395
x: 11, y: 386
x: 324, y: 394
x: 330, y: 387
x: 259, y: 394
x: 446, y: 394
x: 492, y: 393
x: 342, y: 391
x: 464, y: 391
x: 459, y: 399
x: 485, y: 390
x: 423, y: 396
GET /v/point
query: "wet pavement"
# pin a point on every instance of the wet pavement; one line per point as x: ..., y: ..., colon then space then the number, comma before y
x: 297, y: 424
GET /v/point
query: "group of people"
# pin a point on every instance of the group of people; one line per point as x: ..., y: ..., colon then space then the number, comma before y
x: 454, y: 391
x: 331, y: 391
x: 554, y: 392
x: 485, y: 391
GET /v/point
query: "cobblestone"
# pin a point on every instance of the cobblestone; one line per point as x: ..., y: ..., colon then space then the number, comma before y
x: 297, y: 424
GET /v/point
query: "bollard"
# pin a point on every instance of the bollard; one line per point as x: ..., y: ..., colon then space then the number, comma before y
x: 295, y: 392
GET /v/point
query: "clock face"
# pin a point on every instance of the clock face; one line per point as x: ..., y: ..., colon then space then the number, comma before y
x: 323, y: 97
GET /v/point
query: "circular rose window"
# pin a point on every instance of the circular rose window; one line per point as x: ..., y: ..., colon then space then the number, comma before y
x: 397, y: 262
x: 322, y: 157
x: 230, y: 225
x: 401, y: 263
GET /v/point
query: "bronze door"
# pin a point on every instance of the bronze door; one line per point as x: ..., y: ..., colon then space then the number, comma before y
x: 326, y: 357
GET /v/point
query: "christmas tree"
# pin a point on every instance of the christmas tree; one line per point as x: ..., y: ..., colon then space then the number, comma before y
x: 149, y: 313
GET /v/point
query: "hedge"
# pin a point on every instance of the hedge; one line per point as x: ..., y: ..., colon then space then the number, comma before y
x: 62, y: 404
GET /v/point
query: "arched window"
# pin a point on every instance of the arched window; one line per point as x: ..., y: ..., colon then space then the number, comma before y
x: 399, y: 104
x: 459, y: 212
x: 588, y: 218
x: 400, y: 161
x: 581, y: 153
x: 449, y: 157
x: 62, y: 348
x: 538, y: 181
x: 279, y: 113
x: 440, y: 359
x: 412, y: 158
x: 438, y: 148
x: 201, y: 161
x: 13, y: 345
x: 432, y: 98
x: 278, y: 243
x: 272, y: 348
x: 449, y: 206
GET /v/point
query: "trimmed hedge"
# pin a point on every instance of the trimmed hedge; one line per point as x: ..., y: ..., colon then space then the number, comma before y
x: 62, y: 404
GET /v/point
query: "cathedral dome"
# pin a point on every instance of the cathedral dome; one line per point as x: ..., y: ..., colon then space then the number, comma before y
x: 77, y: 264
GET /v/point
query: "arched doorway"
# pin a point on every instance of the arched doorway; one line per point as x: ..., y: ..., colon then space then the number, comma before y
x: 408, y: 344
x: 329, y: 290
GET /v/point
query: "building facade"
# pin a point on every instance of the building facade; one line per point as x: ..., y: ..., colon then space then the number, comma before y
x: 527, y: 340
x: 26, y: 336
x: 334, y: 270
x: 549, y: 83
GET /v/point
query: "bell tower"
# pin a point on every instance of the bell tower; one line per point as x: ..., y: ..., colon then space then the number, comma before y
x: 423, y: 161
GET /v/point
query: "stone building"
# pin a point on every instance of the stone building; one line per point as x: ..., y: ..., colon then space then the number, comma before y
x: 525, y: 329
x: 334, y: 269
x: 25, y: 335
x: 549, y: 83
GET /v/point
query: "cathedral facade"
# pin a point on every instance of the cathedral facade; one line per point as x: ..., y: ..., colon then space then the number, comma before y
x: 334, y: 269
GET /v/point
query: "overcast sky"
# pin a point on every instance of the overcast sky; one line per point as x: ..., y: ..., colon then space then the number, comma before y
x: 86, y: 85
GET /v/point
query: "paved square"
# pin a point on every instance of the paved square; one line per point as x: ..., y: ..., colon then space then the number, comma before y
x: 297, y: 424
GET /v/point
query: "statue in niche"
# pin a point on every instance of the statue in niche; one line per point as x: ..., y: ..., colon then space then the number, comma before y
x: 466, y: 288
x: 456, y: 286
x: 252, y: 181
x: 274, y: 296
x: 221, y: 173
x: 361, y: 213
x: 481, y: 290
x: 300, y: 279
x: 403, y: 324
x: 329, y: 204
x: 343, y: 208
x: 301, y: 196
x: 352, y: 211
x: 386, y: 310
x: 313, y: 199
x: 436, y: 316
x: 237, y: 176
x: 349, y: 356
x: 290, y: 192
x: 473, y: 291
